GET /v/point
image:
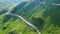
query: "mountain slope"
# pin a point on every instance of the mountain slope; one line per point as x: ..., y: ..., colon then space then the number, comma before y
x: 45, y: 16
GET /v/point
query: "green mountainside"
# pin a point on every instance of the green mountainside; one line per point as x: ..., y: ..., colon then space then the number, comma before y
x: 46, y: 17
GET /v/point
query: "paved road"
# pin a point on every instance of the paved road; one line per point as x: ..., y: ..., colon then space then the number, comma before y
x: 9, y: 13
x: 26, y: 22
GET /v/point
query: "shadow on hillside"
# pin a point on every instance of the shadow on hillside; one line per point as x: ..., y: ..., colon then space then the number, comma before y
x: 56, y: 19
x: 38, y: 22
x: 18, y: 7
x: 8, y: 17
x: 3, y: 11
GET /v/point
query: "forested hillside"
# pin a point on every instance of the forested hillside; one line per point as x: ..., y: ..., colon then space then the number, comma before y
x: 44, y: 14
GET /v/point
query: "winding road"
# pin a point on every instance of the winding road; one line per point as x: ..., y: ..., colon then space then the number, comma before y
x: 26, y: 22
x: 9, y: 13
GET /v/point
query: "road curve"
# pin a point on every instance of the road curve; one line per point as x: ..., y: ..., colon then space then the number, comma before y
x: 9, y: 13
x: 26, y: 22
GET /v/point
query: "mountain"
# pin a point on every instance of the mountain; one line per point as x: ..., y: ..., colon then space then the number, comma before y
x: 27, y: 9
x: 45, y: 16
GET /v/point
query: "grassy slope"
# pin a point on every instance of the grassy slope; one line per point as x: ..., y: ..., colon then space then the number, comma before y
x: 50, y: 15
x: 46, y: 18
x: 13, y: 26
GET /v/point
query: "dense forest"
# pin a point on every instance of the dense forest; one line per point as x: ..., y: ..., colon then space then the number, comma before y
x: 44, y: 14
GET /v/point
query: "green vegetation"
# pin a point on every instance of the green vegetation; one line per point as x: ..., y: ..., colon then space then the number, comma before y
x: 46, y: 17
